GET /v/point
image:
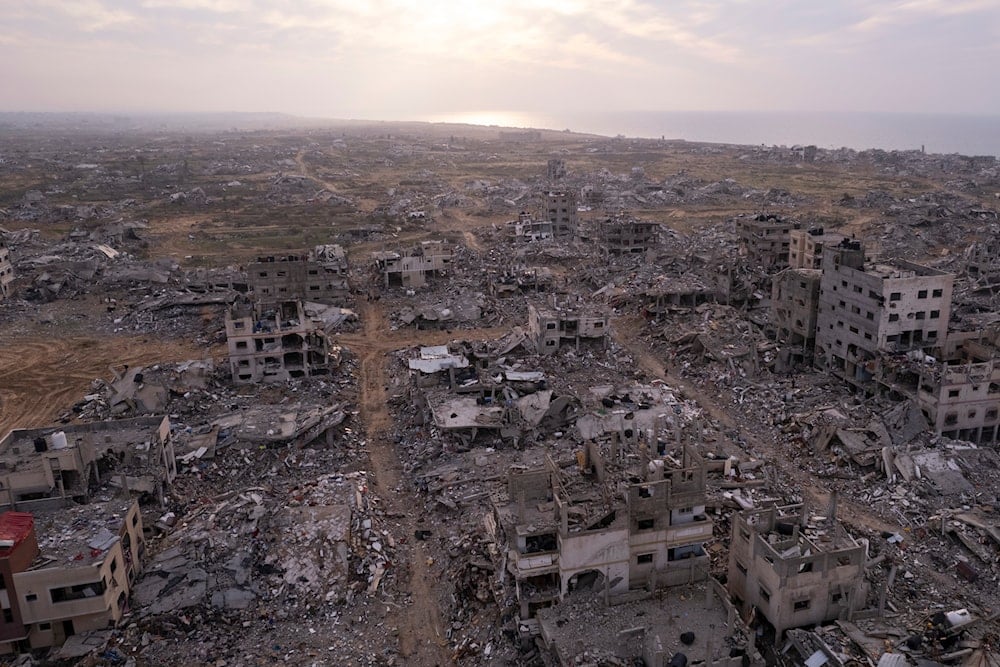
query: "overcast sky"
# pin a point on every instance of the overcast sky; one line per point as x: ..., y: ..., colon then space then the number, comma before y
x: 408, y: 59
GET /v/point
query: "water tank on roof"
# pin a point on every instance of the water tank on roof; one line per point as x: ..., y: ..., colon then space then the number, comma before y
x: 59, y: 440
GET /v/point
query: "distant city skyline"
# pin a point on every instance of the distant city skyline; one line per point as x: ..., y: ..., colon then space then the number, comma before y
x: 402, y: 59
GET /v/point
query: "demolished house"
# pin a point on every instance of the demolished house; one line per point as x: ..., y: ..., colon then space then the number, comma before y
x: 412, y: 268
x: 789, y: 569
x: 6, y: 271
x: 527, y: 229
x: 277, y: 344
x: 48, y: 467
x: 319, y: 276
x: 551, y: 325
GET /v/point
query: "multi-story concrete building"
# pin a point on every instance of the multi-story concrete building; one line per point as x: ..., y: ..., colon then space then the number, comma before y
x: 556, y: 170
x: 6, y: 271
x: 46, y: 467
x: 276, y: 344
x: 320, y: 276
x: 794, y: 573
x: 624, y: 234
x: 794, y: 310
x: 560, y: 210
x: 551, y: 326
x: 961, y: 394
x: 412, y: 268
x: 764, y: 239
x: 867, y: 308
x: 559, y: 537
x: 76, y: 578
x: 805, y: 247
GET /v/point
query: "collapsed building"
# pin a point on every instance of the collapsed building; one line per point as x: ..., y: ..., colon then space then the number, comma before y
x: 277, y: 344
x: 319, y: 276
x: 48, y: 467
x: 792, y: 571
x: 6, y: 271
x: 526, y: 229
x: 517, y: 279
x: 550, y: 326
x: 624, y: 234
x: 869, y: 308
x: 412, y: 268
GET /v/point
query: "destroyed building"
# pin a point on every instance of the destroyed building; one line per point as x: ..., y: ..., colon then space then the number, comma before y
x: 960, y: 394
x: 412, y: 268
x: 624, y: 234
x: 867, y: 308
x: 982, y: 262
x: 276, y: 344
x: 764, y: 239
x: 805, y: 249
x: 555, y: 170
x: 73, y: 576
x: 551, y: 325
x: 47, y: 467
x: 794, y: 308
x: 517, y: 279
x: 319, y: 276
x: 6, y: 271
x: 693, y: 622
x: 526, y: 229
x: 560, y: 210
x: 624, y: 518
x: 793, y: 570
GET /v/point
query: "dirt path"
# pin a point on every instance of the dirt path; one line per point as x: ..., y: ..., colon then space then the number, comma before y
x: 300, y: 159
x: 42, y: 377
x: 421, y: 637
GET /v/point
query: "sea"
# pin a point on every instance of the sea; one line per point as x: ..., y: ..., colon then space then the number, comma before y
x: 934, y: 133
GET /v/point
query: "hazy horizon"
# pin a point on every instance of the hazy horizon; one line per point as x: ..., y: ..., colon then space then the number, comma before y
x: 404, y: 60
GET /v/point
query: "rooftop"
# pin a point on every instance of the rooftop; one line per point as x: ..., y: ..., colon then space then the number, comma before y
x: 79, y: 535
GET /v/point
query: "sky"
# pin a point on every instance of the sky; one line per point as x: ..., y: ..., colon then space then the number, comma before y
x: 410, y: 59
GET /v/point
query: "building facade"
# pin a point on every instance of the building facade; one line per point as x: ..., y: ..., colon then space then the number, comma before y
x: 276, y: 344
x: 868, y: 308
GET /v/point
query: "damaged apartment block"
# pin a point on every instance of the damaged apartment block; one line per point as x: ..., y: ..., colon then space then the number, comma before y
x: 412, y: 268
x: 560, y: 210
x: 571, y: 530
x: 553, y: 326
x: 794, y: 309
x: 792, y: 571
x: 870, y: 308
x: 764, y: 239
x: 276, y: 344
x: 320, y: 276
